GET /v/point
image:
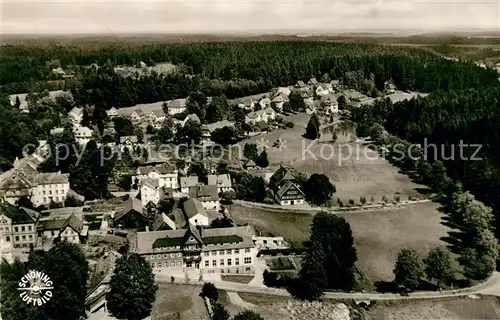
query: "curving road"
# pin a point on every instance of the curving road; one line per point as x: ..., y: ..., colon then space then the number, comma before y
x: 490, y: 287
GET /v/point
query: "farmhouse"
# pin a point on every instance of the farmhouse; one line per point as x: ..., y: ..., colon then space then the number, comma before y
x: 322, y: 90
x: 312, y: 82
x: 222, y: 250
x: 193, y: 117
x: 195, y: 212
x: 128, y: 142
x: 18, y: 226
x: 285, y: 190
x: 150, y: 191
x: 137, y: 115
x: 63, y: 227
x: 157, y: 116
x: 300, y: 84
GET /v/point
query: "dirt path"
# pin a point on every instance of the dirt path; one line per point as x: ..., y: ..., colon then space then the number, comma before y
x: 235, y: 299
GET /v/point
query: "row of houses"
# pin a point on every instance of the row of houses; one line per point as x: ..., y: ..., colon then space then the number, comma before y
x: 24, y: 229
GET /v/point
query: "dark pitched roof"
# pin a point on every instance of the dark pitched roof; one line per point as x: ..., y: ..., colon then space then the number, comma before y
x: 18, y: 215
x: 74, y: 223
x: 280, y: 176
x: 132, y: 204
x: 192, y: 207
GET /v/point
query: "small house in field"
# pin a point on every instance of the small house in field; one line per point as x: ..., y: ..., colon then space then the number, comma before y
x: 284, y: 188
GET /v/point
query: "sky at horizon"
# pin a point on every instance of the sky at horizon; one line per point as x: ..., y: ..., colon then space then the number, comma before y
x: 257, y: 16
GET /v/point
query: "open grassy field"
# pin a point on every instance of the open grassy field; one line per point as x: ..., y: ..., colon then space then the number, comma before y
x: 355, y: 169
x: 456, y: 308
x: 378, y: 235
x: 180, y: 302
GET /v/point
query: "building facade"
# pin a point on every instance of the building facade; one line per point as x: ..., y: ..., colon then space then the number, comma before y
x: 18, y: 226
x: 223, y: 250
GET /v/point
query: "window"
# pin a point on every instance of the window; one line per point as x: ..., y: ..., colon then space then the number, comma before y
x: 214, y: 263
x: 29, y: 228
x: 7, y: 238
x: 172, y: 255
x: 172, y: 264
x: 179, y: 254
x: 24, y: 238
x: 152, y: 257
x: 221, y: 252
x: 179, y: 264
x: 221, y: 262
x: 214, y: 253
x: 228, y: 251
x: 206, y: 253
x: 237, y: 261
x: 165, y: 256
x: 247, y: 250
x: 248, y: 260
x: 158, y: 256
x: 17, y: 238
x: 206, y: 263
x: 23, y: 229
x: 229, y: 262
x: 30, y: 237
x: 236, y: 251
x: 247, y: 269
x: 16, y: 229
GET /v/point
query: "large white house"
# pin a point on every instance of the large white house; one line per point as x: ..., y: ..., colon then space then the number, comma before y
x: 25, y: 181
x: 222, y: 250
x: 65, y: 227
x: 82, y: 134
x: 166, y: 175
x: 260, y: 115
x: 150, y: 191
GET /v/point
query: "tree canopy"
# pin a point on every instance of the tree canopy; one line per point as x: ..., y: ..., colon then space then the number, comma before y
x: 133, y: 289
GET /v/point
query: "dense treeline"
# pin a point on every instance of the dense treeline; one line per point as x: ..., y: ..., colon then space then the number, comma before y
x: 263, y: 64
x: 457, y: 123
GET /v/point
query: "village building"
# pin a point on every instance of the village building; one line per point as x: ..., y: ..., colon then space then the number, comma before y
x: 330, y: 104
x: 270, y: 243
x: 312, y: 82
x: 187, y: 183
x: 207, y: 195
x: 137, y: 115
x: 300, y: 84
x: 260, y: 115
x: 56, y: 131
x: 128, y: 142
x: 82, y: 134
x: 18, y: 226
x: 150, y: 191
x: 322, y: 90
x: 177, y: 106
x: 75, y: 115
x: 222, y: 250
x: 222, y: 181
x: 163, y: 222
x: 195, y: 212
x: 112, y: 113
x: 157, y: 116
x: 284, y: 188
x: 130, y: 215
x: 247, y: 103
x: 64, y: 227
x: 40, y: 188
x: 191, y: 117
x: 166, y: 175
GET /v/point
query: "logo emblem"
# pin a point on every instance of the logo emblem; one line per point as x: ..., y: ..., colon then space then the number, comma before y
x: 36, y: 288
